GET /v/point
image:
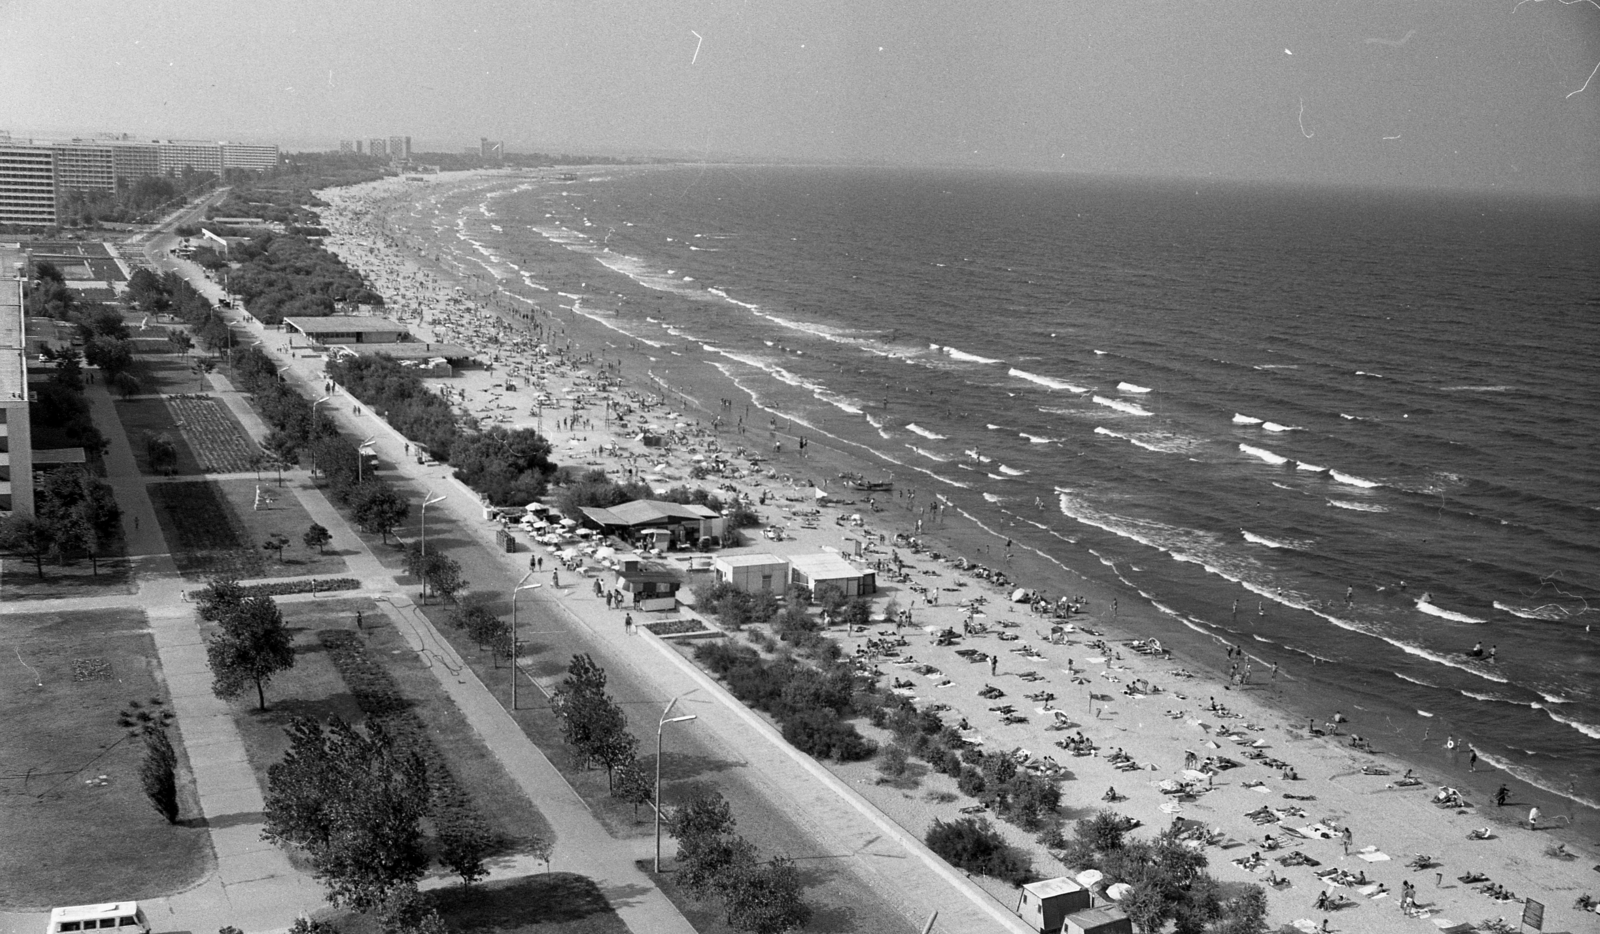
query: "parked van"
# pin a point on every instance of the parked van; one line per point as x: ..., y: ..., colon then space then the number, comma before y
x: 119, y: 917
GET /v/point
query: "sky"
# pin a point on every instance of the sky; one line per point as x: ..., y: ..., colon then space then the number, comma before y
x: 1464, y: 94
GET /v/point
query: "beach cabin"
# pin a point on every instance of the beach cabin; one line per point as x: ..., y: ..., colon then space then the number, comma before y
x: 1106, y: 920
x: 1044, y: 906
x: 684, y: 525
x: 649, y: 585
x: 812, y: 571
x: 752, y: 572
x: 348, y: 329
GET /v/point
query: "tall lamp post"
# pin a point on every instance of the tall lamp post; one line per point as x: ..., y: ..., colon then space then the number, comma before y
x: 515, y: 668
x: 313, y: 433
x: 660, y: 727
x: 427, y: 500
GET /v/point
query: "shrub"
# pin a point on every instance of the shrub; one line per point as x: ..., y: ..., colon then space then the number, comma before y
x: 974, y: 845
x: 892, y: 761
x: 822, y: 734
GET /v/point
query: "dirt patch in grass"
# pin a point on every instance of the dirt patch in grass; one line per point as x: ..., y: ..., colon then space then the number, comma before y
x: 75, y: 823
x: 215, y: 530
x: 19, y: 579
x: 552, y: 903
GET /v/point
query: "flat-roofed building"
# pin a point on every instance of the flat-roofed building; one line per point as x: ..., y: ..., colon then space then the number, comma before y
x: 400, y: 148
x: 16, y: 436
x: 813, y: 571
x: 131, y: 160
x: 27, y: 185
x: 85, y: 165
x: 177, y: 156
x: 349, y: 145
x: 377, y: 146
x: 349, y: 329
x: 249, y: 156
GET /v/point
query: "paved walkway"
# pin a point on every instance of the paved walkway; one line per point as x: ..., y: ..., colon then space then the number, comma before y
x: 254, y: 886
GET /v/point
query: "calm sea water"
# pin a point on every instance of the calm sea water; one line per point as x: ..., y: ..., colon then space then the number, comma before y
x: 1225, y: 393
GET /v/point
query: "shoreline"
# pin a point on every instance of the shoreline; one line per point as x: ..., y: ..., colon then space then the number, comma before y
x: 1287, y: 702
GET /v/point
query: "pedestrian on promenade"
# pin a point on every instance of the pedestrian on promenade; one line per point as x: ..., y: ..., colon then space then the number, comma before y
x: 627, y: 623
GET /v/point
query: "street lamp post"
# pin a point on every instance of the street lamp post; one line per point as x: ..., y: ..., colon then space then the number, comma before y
x: 660, y: 727
x: 427, y: 500
x: 313, y: 433
x: 515, y: 668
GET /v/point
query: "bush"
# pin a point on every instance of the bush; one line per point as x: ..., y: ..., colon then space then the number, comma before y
x: 893, y: 761
x: 974, y: 845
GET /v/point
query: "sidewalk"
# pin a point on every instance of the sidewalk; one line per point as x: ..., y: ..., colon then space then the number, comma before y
x: 253, y: 885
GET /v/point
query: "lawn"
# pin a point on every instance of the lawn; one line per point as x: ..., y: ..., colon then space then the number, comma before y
x: 553, y: 903
x: 76, y: 825
x: 314, y: 688
x: 208, y: 438
x: 214, y: 530
x: 19, y: 579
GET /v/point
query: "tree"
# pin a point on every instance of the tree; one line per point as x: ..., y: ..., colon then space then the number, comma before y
x: 111, y: 354
x: 126, y: 384
x: 633, y: 785
x: 162, y: 453
x: 591, y: 721
x: 219, y: 598
x: 277, y: 541
x: 404, y: 910
x: 27, y: 537
x: 354, y: 802
x: 317, y: 537
x: 158, y: 774
x: 443, y: 574
x: 378, y: 508
x: 251, y: 646
x: 766, y: 898
x: 707, y: 845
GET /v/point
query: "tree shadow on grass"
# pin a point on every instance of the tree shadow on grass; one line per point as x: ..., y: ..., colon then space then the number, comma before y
x: 825, y: 918
x: 680, y: 767
x: 552, y: 898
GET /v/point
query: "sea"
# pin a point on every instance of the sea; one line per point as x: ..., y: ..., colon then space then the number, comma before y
x: 1352, y: 431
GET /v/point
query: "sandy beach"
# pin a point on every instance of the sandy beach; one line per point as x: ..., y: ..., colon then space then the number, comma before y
x: 1181, y: 729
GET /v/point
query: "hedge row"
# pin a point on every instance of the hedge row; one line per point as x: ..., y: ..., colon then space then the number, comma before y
x: 810, y: 703
x: 464, y: 837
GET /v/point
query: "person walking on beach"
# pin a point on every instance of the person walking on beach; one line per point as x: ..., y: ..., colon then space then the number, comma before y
x: 1472, y: 760
x: 1346, y: 836
x: 627, y: 623
x: 1500, y: 796
x: 994, y: 665
x: 1533, y: 818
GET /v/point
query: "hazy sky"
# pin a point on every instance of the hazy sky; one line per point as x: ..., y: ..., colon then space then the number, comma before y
x: 1459, y: 93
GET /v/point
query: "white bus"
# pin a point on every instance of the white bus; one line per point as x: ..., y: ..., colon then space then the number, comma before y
x: 119, y: 917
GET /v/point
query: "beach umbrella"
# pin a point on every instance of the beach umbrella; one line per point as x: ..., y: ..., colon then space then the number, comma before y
x: 1118, y: 891
x: 605, y: 553
x: 1090, y: 878
x: 1021, y: 595
x: 569, y: 523
x: 1193, y: 776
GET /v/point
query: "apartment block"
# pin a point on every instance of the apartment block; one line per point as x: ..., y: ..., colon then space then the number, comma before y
x: 27, y: 185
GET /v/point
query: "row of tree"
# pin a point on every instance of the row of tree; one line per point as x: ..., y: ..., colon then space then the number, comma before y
x: 404, y: 401
x: 172, y: 294
x: 287, y: 275
x: 74, y: 515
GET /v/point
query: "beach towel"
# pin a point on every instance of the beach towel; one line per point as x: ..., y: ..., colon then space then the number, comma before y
x: 1263, y: 789
x: 1374, y: 856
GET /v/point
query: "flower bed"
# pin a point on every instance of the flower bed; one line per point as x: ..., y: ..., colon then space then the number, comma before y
x: 676, y: 627
x: 286, y: 588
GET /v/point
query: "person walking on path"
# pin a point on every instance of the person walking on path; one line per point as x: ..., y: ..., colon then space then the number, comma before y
x: 994, y: 665
x: 1347, y: 836
x: 1472, y: 761
x: 627, y: 623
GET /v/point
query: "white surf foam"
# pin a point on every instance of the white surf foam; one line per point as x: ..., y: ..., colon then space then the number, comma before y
x: 1125, y: 407
x: 1353, y: 480
x: 961, y: 355
x: 1274, y: 459
x: 1312, y: 468
x: 1011, y: 471
x: 1130, y: 387
x: 918, y: 429
x: 1357, y: 507
x: 1274, y: 426
x: 1046, y: 381
x: 1548, y: 613
x: 1286, y: 545
x: 929, y: 454
x: 1245, y: 420
x: 1037, y: 439
x: 1427, y: 606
